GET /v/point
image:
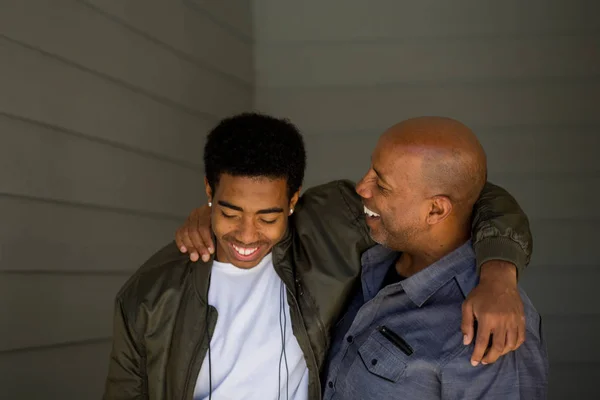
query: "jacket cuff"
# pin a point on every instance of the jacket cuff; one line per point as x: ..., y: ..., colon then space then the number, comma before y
x: 502, y: 249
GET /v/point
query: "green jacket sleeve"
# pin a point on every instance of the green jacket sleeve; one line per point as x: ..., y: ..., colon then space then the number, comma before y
x: 500, y: 228
x: 126, y: 377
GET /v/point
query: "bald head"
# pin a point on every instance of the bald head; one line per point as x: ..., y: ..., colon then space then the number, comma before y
x: 449, y: 158
x: 426, y: 174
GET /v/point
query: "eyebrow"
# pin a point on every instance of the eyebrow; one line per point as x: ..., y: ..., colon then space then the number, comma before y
x: 380, y: 177
x: 271, y: 210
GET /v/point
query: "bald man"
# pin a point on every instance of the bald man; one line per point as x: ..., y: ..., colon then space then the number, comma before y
x: 400, y: 335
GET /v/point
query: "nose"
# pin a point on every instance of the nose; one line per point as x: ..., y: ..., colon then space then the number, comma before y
x: 248, y: 233
x: 363, y: 188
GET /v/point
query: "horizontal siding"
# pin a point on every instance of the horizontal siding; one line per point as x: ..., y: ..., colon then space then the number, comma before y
x: 44, y: 237
x: 104, y: 112
x: 46, y: 90
x: 143, y: 63
x: 47, y: 317
x: 564, y: 292
x: 377, y: 107
x: 582, y: 332
x: 460, y: 60
x: 574, y: 381
x: 285, y: 23
x: 553, y: 197
x: 568, y: 243
x: 43, y: 163
x: 175, y: 24
x: 73, y: 372
x: 235, y: 15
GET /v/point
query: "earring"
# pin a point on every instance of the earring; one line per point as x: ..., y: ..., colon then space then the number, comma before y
x: 209, y: 204
x: 291, y: 211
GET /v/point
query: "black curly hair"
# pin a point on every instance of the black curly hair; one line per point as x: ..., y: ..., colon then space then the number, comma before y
x: 253, y: 145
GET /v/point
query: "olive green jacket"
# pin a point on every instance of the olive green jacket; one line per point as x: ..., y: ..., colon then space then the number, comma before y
x: 163, y: 322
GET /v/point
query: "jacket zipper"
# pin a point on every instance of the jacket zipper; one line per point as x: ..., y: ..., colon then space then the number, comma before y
x: 197, y: 349
x: 316, y: 314
x: 305, y: 333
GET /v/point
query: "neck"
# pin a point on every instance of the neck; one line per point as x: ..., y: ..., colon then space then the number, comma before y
x: 432, y: 249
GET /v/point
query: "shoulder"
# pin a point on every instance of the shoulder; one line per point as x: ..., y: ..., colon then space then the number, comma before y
x: 165, y: 272
x: 334, y: 196
x: 332, y: 208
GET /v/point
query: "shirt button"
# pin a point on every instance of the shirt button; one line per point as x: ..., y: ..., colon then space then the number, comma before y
x: 349, y: 339
x: 330, y: 384
x: 373, y: 362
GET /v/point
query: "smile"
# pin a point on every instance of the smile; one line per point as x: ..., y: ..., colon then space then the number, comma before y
x: 371, y: 214
x: 244, y: 251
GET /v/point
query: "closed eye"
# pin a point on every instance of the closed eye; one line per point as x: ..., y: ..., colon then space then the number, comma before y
x: 269, y: 221
x: 227, y: 215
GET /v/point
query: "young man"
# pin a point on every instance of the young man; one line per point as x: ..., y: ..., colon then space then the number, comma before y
x: 254, y: 322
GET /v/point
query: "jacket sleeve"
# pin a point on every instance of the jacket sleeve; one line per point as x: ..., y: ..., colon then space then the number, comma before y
x: 500, y: 228
x: 126, y: 376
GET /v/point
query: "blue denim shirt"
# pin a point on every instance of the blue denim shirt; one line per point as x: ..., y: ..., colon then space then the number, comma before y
x: 404, y: 341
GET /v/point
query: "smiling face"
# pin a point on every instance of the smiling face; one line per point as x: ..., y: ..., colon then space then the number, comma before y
x: 395, y: 204
x: 249, y: 216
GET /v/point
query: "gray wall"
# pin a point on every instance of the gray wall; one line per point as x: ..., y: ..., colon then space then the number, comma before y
x: 524, y: 74
x: 104, y: 105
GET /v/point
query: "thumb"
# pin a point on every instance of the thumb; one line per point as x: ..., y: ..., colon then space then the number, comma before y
x: 468, y: 322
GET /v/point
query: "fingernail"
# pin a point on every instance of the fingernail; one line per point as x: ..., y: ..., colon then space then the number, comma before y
x: 183, y: 249
x: 484, y: 363
x: 465, y: 339
x: 194, y: 256
x: 205, y: 257
x: 211, y: 250
x: 474, y: 363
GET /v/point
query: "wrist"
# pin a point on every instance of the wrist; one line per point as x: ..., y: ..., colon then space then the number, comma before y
x: 499, y: 272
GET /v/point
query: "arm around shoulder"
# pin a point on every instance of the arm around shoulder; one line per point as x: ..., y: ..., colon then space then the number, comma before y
x: 501, y: 228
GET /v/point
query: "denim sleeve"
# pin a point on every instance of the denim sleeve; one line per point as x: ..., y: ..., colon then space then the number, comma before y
x: 519, y: 375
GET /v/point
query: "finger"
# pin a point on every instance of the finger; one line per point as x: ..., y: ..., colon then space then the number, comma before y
x: 497, y: 347
x: 206, y: 235
x: 511, y: 340
x: 521, y: 333
x: 187, y: 243
x: 481, y: 344
x: 468, y: 322
x: 198, y: 245
x: 179, y: 240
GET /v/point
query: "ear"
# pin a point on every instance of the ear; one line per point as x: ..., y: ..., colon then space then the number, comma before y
x: 293, y: 201
x: 209, y: 192
x: 439, y: 209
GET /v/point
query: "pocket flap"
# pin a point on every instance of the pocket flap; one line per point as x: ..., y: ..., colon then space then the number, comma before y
x: 380, y: 361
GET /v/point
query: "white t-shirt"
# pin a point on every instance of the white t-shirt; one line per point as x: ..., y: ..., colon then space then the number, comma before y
x: 247, y: 342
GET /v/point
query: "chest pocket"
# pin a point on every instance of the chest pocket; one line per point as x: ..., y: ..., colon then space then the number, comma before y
x: 383, y: 359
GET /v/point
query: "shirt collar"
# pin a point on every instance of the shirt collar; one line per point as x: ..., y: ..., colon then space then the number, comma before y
x: 422, y: 285
x: 375, y: 263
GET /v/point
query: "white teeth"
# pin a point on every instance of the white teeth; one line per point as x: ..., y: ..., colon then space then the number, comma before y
x: 244, y: 251
x: 371, y: 213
